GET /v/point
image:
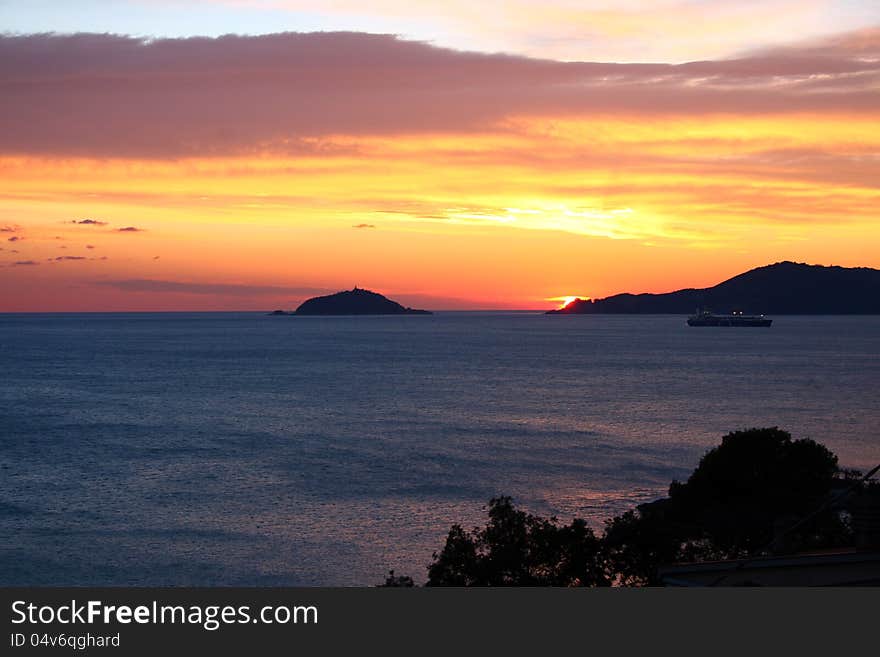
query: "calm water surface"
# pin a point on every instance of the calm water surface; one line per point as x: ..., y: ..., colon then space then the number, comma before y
x: 225, y: 448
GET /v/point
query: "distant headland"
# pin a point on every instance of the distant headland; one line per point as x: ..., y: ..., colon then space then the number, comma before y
x: 784, y: 288
x: 352, y: 302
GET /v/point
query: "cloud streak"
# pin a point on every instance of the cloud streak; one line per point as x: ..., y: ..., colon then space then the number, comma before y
x: 219, y: 289
x: 169, y: 98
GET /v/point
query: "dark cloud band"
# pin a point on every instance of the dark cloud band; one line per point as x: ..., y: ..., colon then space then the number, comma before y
x: 223, y: 289
x: 166, y: 98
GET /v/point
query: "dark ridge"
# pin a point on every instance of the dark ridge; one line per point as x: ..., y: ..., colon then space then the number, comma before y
x: 783, y: 288
x: 355, y: 302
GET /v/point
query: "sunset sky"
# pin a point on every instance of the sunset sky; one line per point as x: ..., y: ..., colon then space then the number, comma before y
x: 225, y: 155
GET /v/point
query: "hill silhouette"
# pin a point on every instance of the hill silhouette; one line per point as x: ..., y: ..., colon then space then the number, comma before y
x: 355, y: 302
x: 784, y: 288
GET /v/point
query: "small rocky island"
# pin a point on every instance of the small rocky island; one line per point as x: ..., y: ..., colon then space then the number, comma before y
x: 352, y: 302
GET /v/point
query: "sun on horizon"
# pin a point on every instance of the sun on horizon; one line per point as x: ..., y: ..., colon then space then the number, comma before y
x: 567, y: 300
x: 255, y: 170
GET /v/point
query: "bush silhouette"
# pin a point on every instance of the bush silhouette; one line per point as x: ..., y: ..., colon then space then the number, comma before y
x: 397, y: 581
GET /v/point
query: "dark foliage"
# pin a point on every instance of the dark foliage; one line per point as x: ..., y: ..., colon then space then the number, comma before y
x: 519, y: 549
x: 397, y: 581
x: 742, y: 500
x: 757, y: 493
x: 752, y: 480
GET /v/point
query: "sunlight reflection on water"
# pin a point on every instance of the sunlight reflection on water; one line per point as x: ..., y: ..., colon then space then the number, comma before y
x: 226, y: 448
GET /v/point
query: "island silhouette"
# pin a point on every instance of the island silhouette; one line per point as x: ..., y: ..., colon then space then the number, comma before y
x: 783, y: 288
x: 356, y: 301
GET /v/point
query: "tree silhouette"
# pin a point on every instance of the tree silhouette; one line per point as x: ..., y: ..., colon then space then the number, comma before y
x: 757, y: 483
x: 519, y: 549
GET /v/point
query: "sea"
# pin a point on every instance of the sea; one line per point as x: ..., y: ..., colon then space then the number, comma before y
x: 244, y: 449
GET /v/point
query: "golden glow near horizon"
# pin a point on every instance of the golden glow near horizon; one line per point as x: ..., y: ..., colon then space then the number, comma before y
x: 511, y: 214
x: 385, y: 216
x: 565, y: 301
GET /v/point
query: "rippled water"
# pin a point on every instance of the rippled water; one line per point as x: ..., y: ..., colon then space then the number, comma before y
x: 226, y: 448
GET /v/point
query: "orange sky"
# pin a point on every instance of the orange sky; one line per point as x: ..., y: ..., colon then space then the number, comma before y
x: 442, y: 179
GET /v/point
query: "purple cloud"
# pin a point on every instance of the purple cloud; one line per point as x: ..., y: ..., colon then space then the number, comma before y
x: 89, y: 222
x: 165, y: 98
x: 130, y: 229
x: 21, y: 263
